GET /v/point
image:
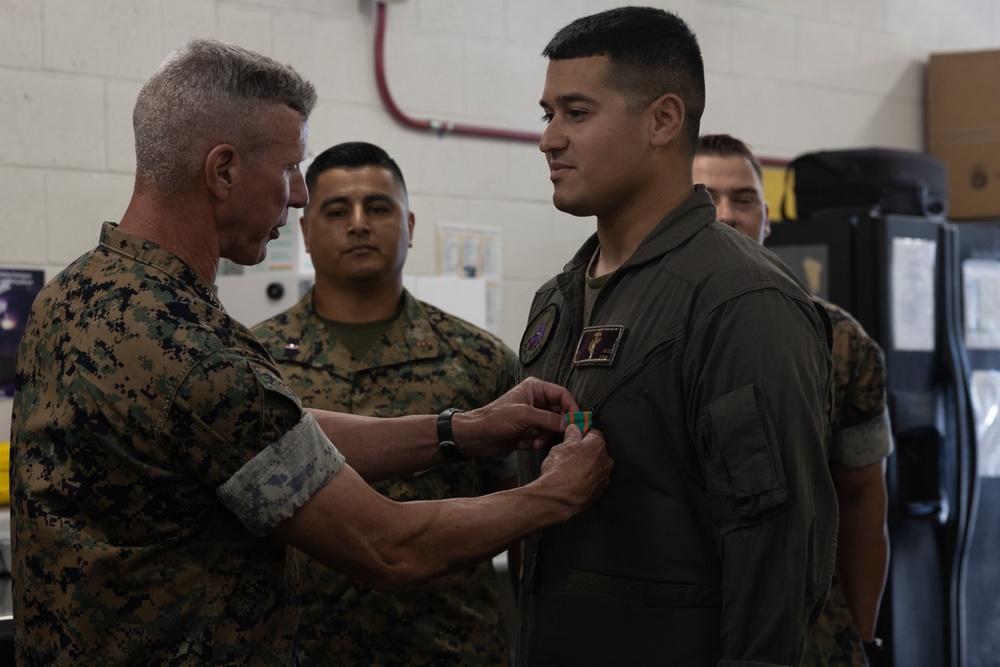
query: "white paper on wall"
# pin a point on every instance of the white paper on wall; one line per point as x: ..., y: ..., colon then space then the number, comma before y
x: 913, y: 265
x: 465, y: 298
x: 981, y: 289
x: 986, y: 407
x: 469, y: 251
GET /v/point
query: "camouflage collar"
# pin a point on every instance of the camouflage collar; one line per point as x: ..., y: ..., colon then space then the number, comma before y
x: 152, y: 254
x: 411, y: 336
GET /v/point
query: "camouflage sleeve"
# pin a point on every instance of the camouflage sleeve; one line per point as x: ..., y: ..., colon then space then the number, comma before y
x: 280, y: 479
x: 861, y: 432
x: 862, y: 445
x: 226, y: 411
x: 507, y: 376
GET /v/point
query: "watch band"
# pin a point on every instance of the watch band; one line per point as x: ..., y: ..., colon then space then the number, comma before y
x: 446, y: 439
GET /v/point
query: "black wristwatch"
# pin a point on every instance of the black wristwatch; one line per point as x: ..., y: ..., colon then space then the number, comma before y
x: 446, y: 439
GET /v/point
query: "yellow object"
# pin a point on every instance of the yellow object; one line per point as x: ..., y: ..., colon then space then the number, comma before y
x: 776, y: 186
x: 4, y: 473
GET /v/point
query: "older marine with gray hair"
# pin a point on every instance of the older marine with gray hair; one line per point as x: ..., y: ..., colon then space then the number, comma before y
x: 203, y: 94
x: 160, y: 466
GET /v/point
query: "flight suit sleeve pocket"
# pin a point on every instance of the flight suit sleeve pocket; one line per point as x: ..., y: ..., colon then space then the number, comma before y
x: 743, y: 467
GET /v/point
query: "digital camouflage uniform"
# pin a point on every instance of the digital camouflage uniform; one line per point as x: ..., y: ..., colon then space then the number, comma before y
x: 155, y: 446
x: 428, y: 360
x: 861, y: 437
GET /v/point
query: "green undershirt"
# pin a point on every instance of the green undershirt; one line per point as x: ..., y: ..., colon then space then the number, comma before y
x: 359, y: 337
x: 592, y: 287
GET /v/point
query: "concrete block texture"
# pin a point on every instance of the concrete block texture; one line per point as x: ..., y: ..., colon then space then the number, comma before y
x: 788, y: 76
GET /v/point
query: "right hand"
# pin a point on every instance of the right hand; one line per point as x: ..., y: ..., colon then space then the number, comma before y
x: 529, y: 416
x: 578, y: 470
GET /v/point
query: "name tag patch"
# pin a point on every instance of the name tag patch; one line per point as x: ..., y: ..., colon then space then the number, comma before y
x: 598, y: 346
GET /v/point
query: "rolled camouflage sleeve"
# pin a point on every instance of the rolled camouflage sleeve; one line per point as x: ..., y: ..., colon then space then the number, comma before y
x: 862, y: 434
x: 282, y: 477
x: 863, y: 444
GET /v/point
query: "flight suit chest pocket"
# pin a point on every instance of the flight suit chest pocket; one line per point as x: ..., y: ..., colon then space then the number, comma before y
x: 742, y: 462
x: 646, y: 361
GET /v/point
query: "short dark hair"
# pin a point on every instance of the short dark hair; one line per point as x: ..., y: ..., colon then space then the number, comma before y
x: 352, y: 155
x: 650, y: 52
x: 724, y: 145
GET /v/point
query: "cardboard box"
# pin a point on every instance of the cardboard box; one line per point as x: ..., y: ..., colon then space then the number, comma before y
x: 963, y: 129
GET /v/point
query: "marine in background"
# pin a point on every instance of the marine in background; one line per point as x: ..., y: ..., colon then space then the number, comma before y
x: 861, y: 437
x: 358, y: 342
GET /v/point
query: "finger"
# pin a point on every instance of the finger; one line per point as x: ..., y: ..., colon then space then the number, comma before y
x: 572, y: 434
x: 553, y: 397
x: 543, y: 440
x: 547, y: 422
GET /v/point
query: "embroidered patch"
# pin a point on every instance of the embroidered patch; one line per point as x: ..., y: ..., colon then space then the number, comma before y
x: 536, y: 336
x: 599, y: 345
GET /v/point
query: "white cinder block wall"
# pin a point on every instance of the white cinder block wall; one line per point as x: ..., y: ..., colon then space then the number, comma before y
x: 786, y: 75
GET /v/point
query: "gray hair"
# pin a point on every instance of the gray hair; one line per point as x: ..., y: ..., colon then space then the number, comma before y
x: 204, y: 94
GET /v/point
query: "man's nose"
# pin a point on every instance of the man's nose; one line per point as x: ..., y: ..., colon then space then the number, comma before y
x: 359, y: 221
x: 552, y: 138
x: 298, y: 195
x: 723, y: 212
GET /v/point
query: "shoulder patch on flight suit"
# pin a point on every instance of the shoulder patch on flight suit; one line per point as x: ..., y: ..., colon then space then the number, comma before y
x: 536, y: 336
x: 598, y: 346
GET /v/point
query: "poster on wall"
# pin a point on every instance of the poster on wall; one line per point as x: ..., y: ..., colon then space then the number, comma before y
x: 18, y: 288
x: 473, y: 251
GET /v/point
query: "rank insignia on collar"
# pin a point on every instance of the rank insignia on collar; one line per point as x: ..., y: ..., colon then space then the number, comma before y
x: 598, y: 346
x: 536, y: 336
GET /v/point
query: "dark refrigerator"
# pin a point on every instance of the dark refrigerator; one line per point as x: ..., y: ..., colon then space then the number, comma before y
x: 929, y: 293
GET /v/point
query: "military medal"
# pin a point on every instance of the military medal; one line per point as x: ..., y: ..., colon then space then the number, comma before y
x: 583, y: 420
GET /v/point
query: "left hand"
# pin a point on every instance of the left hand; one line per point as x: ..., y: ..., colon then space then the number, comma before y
x: 529, y: 416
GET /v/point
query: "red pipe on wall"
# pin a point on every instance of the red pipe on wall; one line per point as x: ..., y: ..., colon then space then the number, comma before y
x: 441, y: 127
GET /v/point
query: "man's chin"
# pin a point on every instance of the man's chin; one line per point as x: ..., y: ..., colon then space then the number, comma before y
x: 571, y: 206
x: 247, y: 259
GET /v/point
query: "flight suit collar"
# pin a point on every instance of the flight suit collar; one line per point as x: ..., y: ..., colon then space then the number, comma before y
x: 676, y: 228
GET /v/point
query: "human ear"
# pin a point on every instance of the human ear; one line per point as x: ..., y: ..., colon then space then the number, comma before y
x: 222, y: 170
x: 304, y: 226
x: 668, y: 114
